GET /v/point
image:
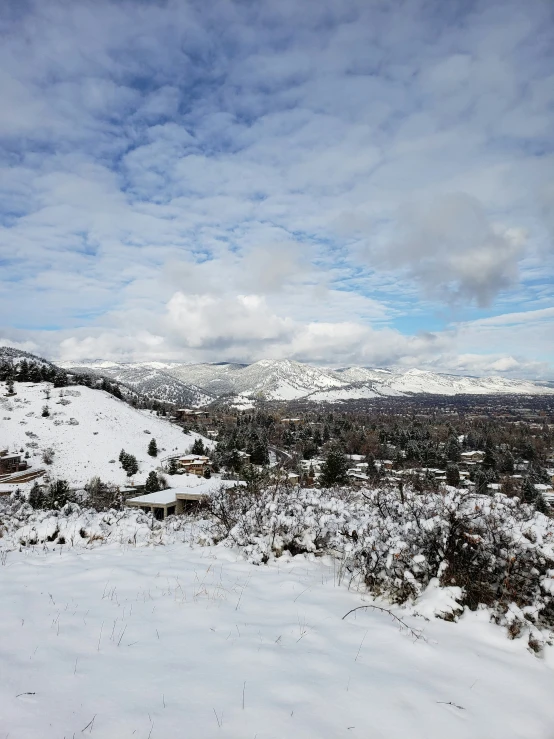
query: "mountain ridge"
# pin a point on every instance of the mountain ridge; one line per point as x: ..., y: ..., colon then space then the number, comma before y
x: 286, y: 379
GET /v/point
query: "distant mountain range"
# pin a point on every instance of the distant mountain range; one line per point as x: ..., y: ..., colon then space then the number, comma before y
x: 200, y: 384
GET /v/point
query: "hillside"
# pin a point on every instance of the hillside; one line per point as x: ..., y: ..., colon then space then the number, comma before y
x: 152, y: 382
x: 86, y: 430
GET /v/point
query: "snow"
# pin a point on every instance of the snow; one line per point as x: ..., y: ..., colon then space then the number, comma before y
x: 286, y: 379
x: 86, y: 429
x: 205, y: 487
x: 178, y: 640
x: 162, y: 497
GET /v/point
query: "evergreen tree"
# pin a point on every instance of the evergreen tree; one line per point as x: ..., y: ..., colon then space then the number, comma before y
x: 34, y: 373
x: 58, y: 494
x: 36, y: 497
x: 153, y: 448
x: 506, y: 463
x: 529, y: 492
x: 9, y: 386
x: 452, y: 449
x: 131, y: 465
x: 172, y: 466
x: 198, y: 447
x: 23, y: 373
x: 489, y: 459
x: 481, y: 482
x: 260, y: 453
x: 233, y: 461
x: 453, y: 475
x: 45, y: 411
x: 334, y: 469
x: 152, y: 483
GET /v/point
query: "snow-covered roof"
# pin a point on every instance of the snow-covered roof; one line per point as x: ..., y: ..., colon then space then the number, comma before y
x: 162, y: 497
x: 206, y: 487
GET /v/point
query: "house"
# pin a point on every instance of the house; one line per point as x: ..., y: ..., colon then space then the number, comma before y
x: 196, y: 464
x: 293, y: 478
x: 10, y: 463
x: 475, y: 456
x: 183, y: 414
x: 357, y: 478
x: 160, y: 504
x: 174, y: 501
x: 245, y: 457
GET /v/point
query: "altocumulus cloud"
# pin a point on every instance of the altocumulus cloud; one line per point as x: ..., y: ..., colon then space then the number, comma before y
x: 339, y: 181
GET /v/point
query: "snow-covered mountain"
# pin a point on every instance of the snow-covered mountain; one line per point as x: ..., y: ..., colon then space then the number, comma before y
x: 199, y: 384
x: 287, y: 380
x: 86, y: 430
x: 151, y: 380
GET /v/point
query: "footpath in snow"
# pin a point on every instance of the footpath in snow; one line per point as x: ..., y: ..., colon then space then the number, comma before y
x: 180, y: 641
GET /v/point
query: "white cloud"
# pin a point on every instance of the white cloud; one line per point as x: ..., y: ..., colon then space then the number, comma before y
x: 216, y: 151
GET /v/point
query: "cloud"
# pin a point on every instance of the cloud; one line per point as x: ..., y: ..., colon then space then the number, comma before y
x: 349, y: 168
x: 454, y: 253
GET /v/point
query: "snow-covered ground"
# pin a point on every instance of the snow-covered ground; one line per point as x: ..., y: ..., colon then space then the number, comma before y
x: 86, y: 429
x: 182, y: 641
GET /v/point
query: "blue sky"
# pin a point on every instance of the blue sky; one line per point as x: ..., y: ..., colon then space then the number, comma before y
x: 340, y: 181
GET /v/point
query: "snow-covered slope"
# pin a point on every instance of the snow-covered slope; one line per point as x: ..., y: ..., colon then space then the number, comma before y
x: 86, y: 430
x: 185, y: 641
x: 283, y: 380
x: 419, y: 381
x: 287, y: 380
x: 151, y: 381
x: 363, y: 374
x: 198, y: 384
x: 216, y: 379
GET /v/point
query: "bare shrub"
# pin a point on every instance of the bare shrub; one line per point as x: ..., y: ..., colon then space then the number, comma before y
x: 48, y: 455
x: 495, y: 550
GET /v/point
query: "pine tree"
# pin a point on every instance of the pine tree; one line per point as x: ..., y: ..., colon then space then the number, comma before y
x: 529, y: 492
x: 172, y: 466
x: 260, y: 453
x: 481, y: 482
x: 152, y: 483
x: 58, y: 494
x: 453, y: 475
x: 131, y: 465
x: 45, y: 411
x: 36, y: 497
x: 198, y: 446
x: 153, y: 448
x: 334, y: 469
x: 23, y: 374
x: 452, y: 449
x: 489, y: 459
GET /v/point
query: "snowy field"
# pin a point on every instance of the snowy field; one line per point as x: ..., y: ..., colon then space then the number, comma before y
x: 86, y: 429
x: 181, y: 641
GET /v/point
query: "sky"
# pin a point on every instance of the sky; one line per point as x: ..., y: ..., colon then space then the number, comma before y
x: 333, y: 181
